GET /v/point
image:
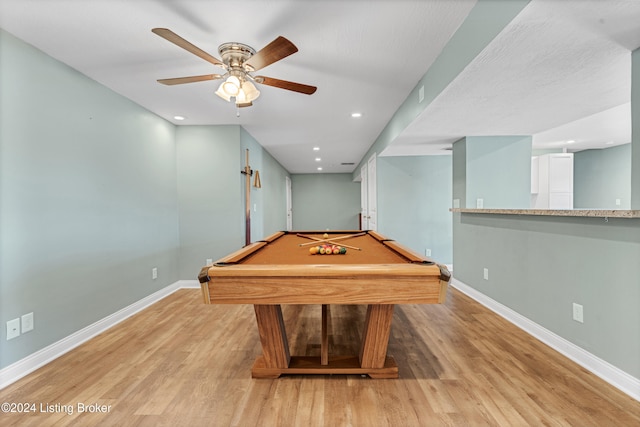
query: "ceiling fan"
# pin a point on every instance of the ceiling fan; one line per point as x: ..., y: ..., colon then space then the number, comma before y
x: 239, y: 62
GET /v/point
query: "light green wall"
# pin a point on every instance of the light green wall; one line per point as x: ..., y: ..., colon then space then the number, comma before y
x: 540, y: 266
x: 88, y: 199
x: 274, y: 197
x: 211, y: 193
x: 416, y: 195
x: 498, y: 171
x: 268, y: 203
x: 211, y: 202
x: 459, y: 173
x: 325, y: 201
x: 601, y: 177
x: 95, y: 191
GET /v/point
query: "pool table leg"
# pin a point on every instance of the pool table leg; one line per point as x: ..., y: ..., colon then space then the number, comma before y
x: 372, y: 360
x: 275, y: 346
x: 375, y: 339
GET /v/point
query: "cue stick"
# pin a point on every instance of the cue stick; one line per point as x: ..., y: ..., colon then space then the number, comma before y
x: 247, y: 198
x: 348, y: 236
x: 328, y: 238
x: 317, y: 240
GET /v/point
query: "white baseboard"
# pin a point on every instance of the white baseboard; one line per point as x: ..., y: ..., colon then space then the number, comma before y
x: 19, y: 369
x: 189, y: 284
x: 603, y: 369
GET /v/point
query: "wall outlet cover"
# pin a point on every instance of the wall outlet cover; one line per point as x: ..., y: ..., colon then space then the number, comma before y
x: 13, y: 328
x: 578, y: 313
x: 27, y: 322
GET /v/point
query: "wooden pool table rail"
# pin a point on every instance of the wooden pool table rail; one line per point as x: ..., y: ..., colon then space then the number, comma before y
x: 319, y: 284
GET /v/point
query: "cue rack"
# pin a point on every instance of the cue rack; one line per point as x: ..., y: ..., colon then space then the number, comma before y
x: 248, y: 173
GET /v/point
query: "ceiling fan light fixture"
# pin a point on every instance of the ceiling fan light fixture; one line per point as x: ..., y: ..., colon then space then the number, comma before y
x: 241, y: 98
x: 221, y: 93
x: 239, y: 61
x: 250, y: 91
x: 231, y: 86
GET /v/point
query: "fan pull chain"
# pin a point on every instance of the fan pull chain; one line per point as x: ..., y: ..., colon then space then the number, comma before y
x: 237, y: 111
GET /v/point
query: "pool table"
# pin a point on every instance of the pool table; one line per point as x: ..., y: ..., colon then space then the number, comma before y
x: 280, y: 269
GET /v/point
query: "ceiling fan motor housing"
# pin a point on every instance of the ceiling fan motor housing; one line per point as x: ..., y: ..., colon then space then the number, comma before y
x: 234, y: 55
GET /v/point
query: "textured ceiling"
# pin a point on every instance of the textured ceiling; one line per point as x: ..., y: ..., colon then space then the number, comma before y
x: 557, y: 62
x: 560, y: 71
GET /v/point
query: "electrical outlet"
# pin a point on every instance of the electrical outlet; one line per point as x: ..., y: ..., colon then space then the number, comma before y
x: 578, y: 313
x: 13, y: 328
x: 485, y: 274
x: 427, y: 252
x: 27, y: 322
x: 618, y: 202
x: 480, y: 203
x: 154, y: 273
x: 209, y: 261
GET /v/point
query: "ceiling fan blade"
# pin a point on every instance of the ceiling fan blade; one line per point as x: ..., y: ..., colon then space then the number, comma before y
x: 275, y: 51
x: 284, y: 84
x: 179, y: 41
x: 192, y: 79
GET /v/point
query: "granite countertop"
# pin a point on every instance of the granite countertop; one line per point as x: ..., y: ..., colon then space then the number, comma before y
x: 602, y: 213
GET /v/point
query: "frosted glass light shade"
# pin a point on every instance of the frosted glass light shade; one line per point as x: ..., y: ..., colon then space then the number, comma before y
x: 231, y: 86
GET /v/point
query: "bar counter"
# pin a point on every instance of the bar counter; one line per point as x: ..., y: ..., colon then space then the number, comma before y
x: 596, y: 213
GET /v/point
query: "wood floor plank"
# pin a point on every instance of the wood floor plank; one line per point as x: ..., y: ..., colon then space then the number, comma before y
x: 183, y: 363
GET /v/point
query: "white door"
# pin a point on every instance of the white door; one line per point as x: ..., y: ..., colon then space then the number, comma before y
x: 364, y: 189
x: 372, y: 199
x: 287, y: 181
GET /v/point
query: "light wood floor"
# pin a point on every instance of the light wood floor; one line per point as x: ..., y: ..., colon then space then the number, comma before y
x: 183, y: 363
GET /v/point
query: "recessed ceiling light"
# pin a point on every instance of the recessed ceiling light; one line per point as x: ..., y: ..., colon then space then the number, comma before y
x: 609, y: 143
x: 318, y: 159
x: 316, y: 148
x: 319, y: 169
x: 355, y: 115
x: 179, y: 117
x: 571, y: 141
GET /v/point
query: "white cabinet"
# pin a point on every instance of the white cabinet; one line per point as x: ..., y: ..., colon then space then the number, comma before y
x: 555, y: 182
